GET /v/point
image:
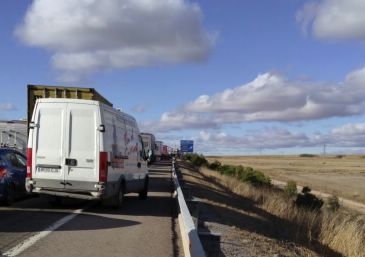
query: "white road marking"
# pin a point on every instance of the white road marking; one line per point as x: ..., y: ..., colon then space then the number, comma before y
x: 36, y: 210
x: 33, y: 239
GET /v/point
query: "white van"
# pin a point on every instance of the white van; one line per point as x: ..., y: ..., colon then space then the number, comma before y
x: 84, y: 149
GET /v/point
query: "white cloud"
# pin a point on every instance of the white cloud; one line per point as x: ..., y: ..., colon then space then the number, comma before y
x: 350, y: 130
x: 356, y: 78
x: 270, y: 97
x: 178, y: 121
x: 204, y: 135
x: 306, y: 15
x: 268, y: 138
x: 7, y: 107
x: 349, y: 135
x: 262, y: 93
x: 91, y: 35
x: 271, y: 138
x: 334, y: 19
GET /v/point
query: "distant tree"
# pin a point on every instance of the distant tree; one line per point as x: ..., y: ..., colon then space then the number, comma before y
x: 307, y: 155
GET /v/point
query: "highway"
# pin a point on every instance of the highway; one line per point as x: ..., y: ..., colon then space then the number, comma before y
x: 33, y: 227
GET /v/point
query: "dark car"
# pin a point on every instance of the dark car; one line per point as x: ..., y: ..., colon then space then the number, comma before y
x: 13, y: 171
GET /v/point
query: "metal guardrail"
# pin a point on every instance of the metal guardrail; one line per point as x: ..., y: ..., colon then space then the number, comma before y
x: 191, y: 241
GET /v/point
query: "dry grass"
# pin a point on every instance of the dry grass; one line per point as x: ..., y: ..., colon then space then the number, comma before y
x: 344, y: 176
x: 336, y: 233
x: 344, y: 232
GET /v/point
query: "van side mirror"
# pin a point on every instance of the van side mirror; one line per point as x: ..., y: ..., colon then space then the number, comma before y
x: 101, y: 128
x: 32, y: 125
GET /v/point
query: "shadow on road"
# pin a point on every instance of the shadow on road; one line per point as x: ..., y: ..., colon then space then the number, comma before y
x: 90, y: 222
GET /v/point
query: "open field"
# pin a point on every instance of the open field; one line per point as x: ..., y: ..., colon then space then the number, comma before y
x: 344, y: 176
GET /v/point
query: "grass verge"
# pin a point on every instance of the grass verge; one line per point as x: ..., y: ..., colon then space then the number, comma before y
x: 337, y: 233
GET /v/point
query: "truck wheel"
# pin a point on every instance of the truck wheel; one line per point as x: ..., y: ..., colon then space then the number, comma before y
x: 119, y: 197
x: 143, y: 194
x: 10, y: 195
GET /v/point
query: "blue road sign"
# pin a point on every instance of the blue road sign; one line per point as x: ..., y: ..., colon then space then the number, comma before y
x: 186, y: 146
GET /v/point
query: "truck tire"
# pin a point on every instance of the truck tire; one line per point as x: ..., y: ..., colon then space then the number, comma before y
x: 143, y: 194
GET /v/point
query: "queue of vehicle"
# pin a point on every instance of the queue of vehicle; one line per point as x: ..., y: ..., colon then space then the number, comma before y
x: 79, y: 146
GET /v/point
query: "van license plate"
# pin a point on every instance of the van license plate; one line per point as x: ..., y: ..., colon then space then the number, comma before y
x: 50, y: 170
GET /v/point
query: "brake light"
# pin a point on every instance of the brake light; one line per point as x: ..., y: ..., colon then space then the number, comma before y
x: 29, y: 163
x: 103, y: 166
x: 3, y: 172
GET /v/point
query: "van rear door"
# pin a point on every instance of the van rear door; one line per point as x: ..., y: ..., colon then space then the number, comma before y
x: 48, y: 140
x: 82, y: 147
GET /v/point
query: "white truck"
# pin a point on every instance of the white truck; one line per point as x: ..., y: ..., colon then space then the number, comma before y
x: 84, y: 149
x: 158, y: 151
x: 149, y: 144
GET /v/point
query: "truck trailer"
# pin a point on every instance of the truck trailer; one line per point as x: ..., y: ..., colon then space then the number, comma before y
x: 41, y: 91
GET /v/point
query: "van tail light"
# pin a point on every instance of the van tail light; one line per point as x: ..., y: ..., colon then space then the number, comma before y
x: 103, y: 166
x: 3, y: 172
x: 29, y: 163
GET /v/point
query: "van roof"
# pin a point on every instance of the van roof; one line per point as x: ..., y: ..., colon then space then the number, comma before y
x: 82, y: 101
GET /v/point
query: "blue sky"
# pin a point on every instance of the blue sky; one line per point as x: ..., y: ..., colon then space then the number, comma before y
x: 295, y: 68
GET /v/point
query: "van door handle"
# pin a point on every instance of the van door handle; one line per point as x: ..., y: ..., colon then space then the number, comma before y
x: 71, y: 162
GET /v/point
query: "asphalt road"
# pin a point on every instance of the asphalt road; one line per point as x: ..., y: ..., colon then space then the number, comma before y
x: 140, y: 228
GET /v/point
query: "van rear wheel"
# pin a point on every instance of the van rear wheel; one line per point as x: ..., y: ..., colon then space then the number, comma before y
x: 143, y: 194
x: 119, y: 197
